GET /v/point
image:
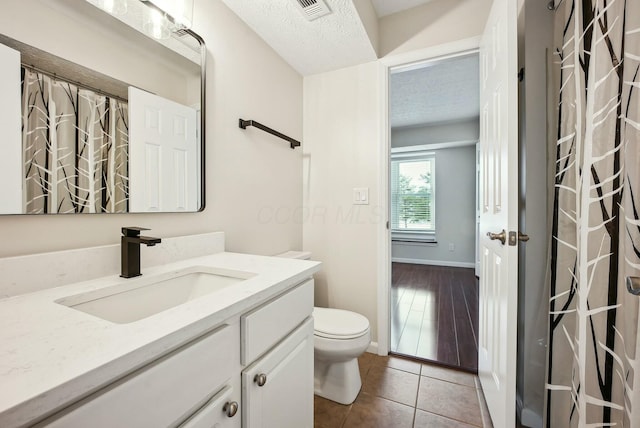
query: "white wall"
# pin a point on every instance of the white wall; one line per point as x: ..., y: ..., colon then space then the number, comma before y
x: 467, y: 130
x: 455, y: 213
x: 341, y: 151
x: 435, y: 23
x: 248, y: 172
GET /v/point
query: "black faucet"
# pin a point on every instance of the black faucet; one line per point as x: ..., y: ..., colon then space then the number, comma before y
x: 130, y: 250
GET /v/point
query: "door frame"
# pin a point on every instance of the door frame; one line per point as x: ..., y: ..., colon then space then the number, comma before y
x: 386, y: 64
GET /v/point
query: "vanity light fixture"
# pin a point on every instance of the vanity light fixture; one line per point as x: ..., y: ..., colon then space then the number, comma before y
x: 157, y: 25
x: 167, y: 16
x: 161, y: 17
x: 113, y: 7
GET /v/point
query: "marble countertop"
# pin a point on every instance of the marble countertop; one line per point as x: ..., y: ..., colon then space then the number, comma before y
x: 51, y: 354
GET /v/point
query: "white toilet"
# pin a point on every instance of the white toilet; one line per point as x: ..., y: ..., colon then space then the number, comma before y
x: 340, y: 337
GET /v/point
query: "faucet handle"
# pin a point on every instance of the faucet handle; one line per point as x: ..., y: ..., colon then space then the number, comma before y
x: 132, y: 232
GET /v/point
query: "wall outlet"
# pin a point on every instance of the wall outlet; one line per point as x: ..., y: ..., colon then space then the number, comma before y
x: 452, y: 247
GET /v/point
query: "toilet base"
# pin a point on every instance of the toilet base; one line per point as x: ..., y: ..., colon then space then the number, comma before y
x: 337, y: 381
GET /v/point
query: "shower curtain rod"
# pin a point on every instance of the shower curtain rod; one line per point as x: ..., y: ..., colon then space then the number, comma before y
x: 80, y: 85
x: 244, y: 123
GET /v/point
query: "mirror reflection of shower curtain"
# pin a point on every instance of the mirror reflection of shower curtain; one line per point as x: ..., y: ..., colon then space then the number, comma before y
x: 593, y: 366
x: 75, y: 145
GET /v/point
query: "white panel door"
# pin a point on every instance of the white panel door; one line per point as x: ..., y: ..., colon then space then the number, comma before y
x: 499, y: 212
x: 163, y: 154
x: 10, y: 139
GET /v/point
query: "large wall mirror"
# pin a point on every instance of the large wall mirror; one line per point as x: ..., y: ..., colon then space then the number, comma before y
x: 102, y: 107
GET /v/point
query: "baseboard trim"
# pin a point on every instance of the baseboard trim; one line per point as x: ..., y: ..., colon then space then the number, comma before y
x: 373, y: 348
x: 434, y: 262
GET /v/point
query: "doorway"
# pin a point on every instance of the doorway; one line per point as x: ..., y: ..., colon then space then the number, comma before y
x: 434, y: 129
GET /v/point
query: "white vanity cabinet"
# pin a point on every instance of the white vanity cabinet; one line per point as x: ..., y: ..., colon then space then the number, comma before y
x: 167, y: 391
x: 255, y: 370
x: 219, y: 412
x: 277, y: 345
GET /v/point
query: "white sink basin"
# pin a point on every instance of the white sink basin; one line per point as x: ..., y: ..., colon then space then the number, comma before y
x: 142, y: 297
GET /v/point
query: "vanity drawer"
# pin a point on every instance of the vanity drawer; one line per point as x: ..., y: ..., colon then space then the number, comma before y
x: 162, y: 393
x: 270, y: 323
x: 215, y: 414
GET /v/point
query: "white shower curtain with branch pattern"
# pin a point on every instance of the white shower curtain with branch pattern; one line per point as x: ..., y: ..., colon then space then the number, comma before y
x: 75, y: 145
x: 593, y: 369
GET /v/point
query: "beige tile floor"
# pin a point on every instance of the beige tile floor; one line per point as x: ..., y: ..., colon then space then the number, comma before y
x: 402, y: 393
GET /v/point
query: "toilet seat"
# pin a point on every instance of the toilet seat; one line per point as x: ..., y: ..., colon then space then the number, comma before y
x: 339, y: 324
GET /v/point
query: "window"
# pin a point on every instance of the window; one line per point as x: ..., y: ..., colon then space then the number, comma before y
x: 413, y: 196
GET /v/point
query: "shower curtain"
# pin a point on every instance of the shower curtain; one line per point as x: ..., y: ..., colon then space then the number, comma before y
x: 75, y: 148
x: 593, y: 368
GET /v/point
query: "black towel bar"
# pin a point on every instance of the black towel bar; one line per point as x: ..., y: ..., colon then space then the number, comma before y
x: 244, y: 123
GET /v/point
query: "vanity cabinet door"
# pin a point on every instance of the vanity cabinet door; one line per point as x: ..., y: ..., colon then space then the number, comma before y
x: 277, y: 390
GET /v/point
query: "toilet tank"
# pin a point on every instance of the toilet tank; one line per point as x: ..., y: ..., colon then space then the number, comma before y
x: 303, y: 255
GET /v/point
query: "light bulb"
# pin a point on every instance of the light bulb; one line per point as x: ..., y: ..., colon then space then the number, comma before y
x: 181, y: 11
x: 157, y: 25
x: 113, y: 7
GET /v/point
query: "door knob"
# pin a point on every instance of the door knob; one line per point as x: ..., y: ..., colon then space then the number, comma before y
x: 633, y: 285
x: 230, y: 408
x: 523, y: 237
x: 502, y: 236
x: 260, y: 379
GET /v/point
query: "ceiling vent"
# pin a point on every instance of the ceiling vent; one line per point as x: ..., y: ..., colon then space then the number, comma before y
x: 313, y: 9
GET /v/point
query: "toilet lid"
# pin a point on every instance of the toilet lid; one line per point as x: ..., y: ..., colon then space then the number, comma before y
x: 339, y: 324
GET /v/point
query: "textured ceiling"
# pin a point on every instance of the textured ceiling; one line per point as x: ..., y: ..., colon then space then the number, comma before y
x: 331, y: 42
x: 387, y: 7
x: 334, y: 41
x: 436, y: 92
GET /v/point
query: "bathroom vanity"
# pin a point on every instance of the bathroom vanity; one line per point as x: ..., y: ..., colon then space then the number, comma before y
x: 144, y: 352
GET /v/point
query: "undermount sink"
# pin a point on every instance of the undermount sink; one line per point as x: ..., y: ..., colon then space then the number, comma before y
x: 145, y: 296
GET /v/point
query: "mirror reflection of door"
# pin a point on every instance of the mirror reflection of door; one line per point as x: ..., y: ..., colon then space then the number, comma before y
x: 434, y: 119
x: 163, y: 154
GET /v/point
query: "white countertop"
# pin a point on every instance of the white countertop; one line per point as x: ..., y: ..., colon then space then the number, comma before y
x: 51, y: 354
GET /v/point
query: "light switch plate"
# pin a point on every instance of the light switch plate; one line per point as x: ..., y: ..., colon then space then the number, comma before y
x: 361, y: 196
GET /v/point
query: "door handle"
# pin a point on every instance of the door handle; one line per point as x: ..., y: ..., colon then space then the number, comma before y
x: 523, y: 237
x: 633, y: 285
x: 260, y: 379
x: 502, y: 236
x: 230, y: 408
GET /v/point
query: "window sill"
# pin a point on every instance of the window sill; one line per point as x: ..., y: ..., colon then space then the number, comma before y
x: 413, y: 237
x: 415, y: 243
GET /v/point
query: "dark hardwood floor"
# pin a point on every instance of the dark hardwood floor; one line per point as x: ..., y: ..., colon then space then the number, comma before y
x: 434, y: 314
